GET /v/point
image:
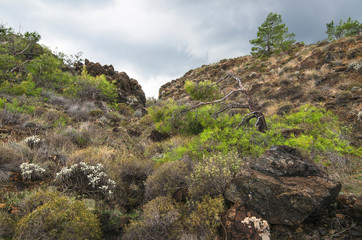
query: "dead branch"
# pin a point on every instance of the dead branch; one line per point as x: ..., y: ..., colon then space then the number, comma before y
x: 260, y: 119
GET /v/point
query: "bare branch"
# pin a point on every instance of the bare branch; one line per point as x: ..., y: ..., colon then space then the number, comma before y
x: 21, y: 52
x: 260, y: 123
x: 19, y: 66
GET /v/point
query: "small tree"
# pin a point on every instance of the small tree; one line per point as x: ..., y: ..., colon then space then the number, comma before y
x: 254, y: 113
x: 272, y: 36
x: 343, y: 29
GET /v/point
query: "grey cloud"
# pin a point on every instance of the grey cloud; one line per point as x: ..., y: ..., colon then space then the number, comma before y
x: 161, y: 38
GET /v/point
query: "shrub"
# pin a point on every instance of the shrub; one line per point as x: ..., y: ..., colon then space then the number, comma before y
x: 86, y: 180
x: 37, y: 198
x: 32, y: 141
x: 203, y: 91
x: 55, y: 118
x: 167, y: 180
x: 79, y: 138
x: 32, y: 172
x: 93, y: 155
x: 205, y: 219
x: 9, y: 161
x: 7, y: 225
x: 60, y: 218
x: 96, y: 88
x: 160, y: 220
x: 171, y: 118
x: 131, y: 175
x: 211, y: 175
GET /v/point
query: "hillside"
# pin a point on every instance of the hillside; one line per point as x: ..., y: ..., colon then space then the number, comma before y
x: 84, y: 155
x: 326, y: 73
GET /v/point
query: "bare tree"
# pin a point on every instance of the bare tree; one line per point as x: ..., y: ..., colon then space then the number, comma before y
x: 260, y: 122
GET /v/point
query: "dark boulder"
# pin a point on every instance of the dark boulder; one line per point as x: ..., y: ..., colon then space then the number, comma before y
x: 283, y: 187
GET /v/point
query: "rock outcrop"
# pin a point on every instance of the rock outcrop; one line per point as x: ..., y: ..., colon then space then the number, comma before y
x: 129, y: 91
x: 283, y: 187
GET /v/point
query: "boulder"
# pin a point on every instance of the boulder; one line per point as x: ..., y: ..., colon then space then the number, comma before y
x: 283, y: 187
x: 285, y: 161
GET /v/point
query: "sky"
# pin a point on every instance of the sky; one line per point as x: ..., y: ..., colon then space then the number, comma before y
x: 156, y: 41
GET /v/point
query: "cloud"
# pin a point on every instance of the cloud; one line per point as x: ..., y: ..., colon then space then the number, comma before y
x: 159, y: 40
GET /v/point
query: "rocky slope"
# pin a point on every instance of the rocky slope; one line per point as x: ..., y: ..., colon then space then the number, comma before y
x: 325, y: 73
x: 129, y: 90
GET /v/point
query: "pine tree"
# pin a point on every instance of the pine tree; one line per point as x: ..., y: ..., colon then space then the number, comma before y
x: 344, y: 29
x: 272, y: 36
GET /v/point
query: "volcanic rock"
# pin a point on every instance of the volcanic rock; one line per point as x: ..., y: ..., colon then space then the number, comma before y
x: 283, y: 187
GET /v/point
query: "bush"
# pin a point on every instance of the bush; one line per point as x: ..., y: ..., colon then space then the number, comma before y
x: 167, y: 180
x: 37, y: 198
x: 203, y: 91
x: 60, y: 218
x: 32, y: 141
x: 171, y: 118
x: 131, y: 175
x: 55, y: 118
x: 79, y: 138
x: 205, y: 219
x: 32, y: 172
x: 160, y: 220
x: 7, y: 225
x: 211, y: 175
x: 9, y: 161
x: 86, y: 180
x: 95, y: 88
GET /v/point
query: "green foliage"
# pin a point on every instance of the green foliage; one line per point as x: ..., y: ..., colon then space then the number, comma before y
x: 211, y: 175
x: 171, y: 118
x: 60, y: 218
x: 16, y: 106
x: 203, y: 91
x: 26, y: 87
x: 89, y: 87
x: 272, y: 36
x: 205, y: 219
x: 343, y: 29
x: 322, y: 133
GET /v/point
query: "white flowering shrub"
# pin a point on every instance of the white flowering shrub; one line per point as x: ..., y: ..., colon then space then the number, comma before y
x: 86, y: 180
x: 32, y: 141
x: 32, y: 172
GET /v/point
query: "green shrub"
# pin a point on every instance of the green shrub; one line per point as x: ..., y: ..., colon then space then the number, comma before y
x: 171, y: 118
x: 160, y: 220
x: 89, y: 87
x: 38, y: 198
x: 203, y: 91
x: 17, y: 107
x: 167, y: 180
x: 322, y: 133
x: 26, y: 87
x: 60, y: 218
x: 205, y: 219
x: 211, y: 175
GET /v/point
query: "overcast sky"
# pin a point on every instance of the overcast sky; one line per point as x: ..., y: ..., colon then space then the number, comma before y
x: 156, y: 41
